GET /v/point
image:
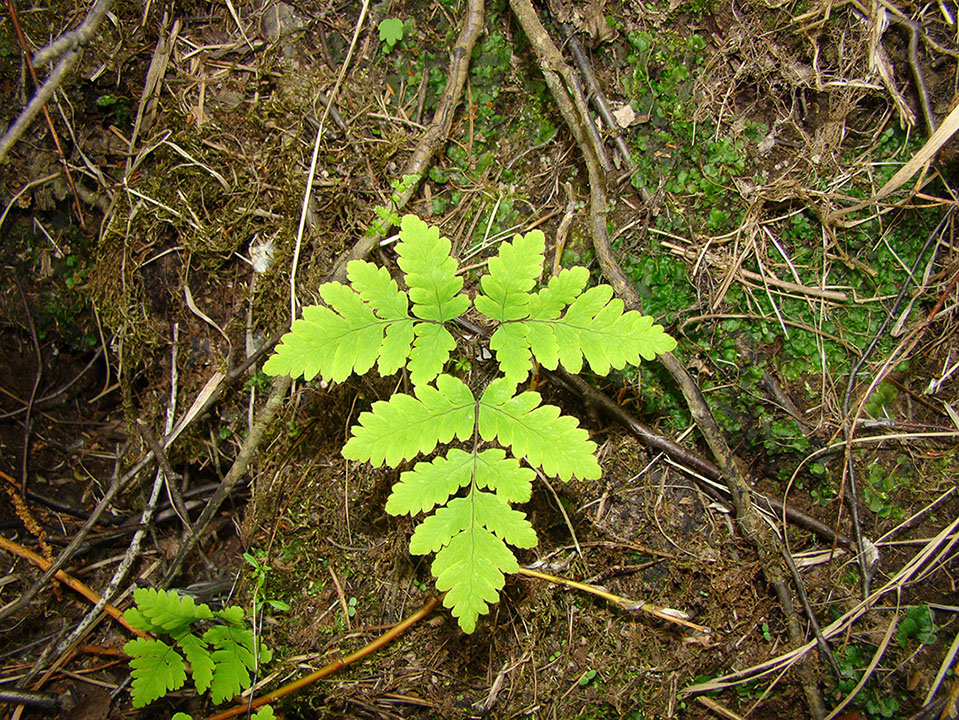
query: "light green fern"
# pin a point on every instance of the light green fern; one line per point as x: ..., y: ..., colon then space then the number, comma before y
x: 560, y: 324
x: 369, y: 321
x: 220, y: 649
x: 467, y: 493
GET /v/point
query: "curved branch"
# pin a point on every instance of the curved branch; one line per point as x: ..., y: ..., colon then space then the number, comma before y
x: 569, y: 99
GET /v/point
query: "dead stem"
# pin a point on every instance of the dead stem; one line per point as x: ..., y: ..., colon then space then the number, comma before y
x: 334, y: 666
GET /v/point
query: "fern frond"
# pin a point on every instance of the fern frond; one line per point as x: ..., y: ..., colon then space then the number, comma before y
x: 477, y: 509
x: 389, y: 304
x: 430, y: 272
x: 360, y: 325
x: 157, y: 669
x: 503, y: 475
x: 405, y: 426
x: 511, y: 344
x: 233, y: 660
x: 470, y: 569
x: 537, y: 432
x: 550, y: 301
x: 595, y: 327
x: 430, y: 484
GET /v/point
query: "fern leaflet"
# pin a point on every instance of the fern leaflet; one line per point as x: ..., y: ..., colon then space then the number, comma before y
x: 512, y: 274
x: 594, y: 325
x: 157, y: 668
x: 233, y: 658
x: 424, y: 256
x: 200, y: 661
x: 432, y: 483
x: 405, y: 426
x: 536, y: 432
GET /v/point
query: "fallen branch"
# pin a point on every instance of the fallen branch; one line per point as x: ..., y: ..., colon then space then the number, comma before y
x: 694, y: 463
x: 70, y: 581
x: 676, y: 617
x: 68, y: 45
x: 571, y: 104
x: 436, y: 134
x: 21, y: 38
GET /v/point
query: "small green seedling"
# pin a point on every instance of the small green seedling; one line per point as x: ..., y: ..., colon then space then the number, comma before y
x: 221, y: 650
x: 391, y: 32
x: 260, y: 571
x: 881, y: 398
x: 918, y: 623
x: 387, y: 217
x: 466, y: 493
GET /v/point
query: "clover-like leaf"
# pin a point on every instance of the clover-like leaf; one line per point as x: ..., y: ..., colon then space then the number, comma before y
x: 391, y: 32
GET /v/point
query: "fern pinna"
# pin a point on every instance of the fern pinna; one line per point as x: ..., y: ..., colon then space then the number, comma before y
x: 221, y: 649
x: 467, y: 492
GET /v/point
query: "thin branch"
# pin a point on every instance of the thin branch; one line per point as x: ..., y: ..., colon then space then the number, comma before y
x: 435, y: 136
x: 334, y: 666
x: 753, y: 527
x: 75, y: 38
x: 28, y: 420
x: 37, y: 103
x: 677, y: 617
x: 67, y: 580
x: 22, y: 39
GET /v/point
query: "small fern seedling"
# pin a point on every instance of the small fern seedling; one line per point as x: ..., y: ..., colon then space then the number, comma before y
x: 221, y: 650
x: 501, y: 433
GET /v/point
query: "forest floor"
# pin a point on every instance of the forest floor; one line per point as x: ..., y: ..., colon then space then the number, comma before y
x: 818, y: 320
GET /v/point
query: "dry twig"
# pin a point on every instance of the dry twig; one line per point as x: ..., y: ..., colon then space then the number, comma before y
x: 68, y: 46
